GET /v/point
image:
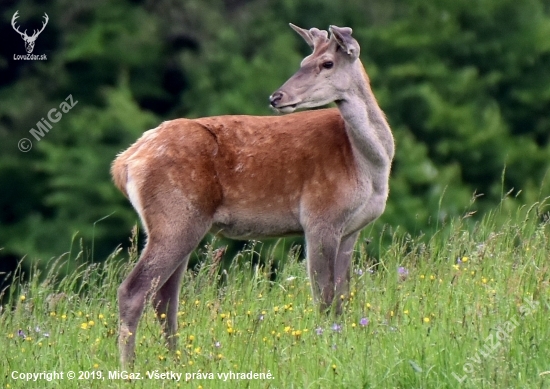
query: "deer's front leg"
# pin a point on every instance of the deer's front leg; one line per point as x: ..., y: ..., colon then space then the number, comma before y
x: 342, y: 268
x: 322, y: 248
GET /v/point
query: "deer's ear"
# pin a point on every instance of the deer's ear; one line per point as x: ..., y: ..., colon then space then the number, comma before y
x: 304, y: 34
x: 342, y: 37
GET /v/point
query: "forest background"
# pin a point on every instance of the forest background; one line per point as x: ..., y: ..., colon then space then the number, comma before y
x: 465, y: 85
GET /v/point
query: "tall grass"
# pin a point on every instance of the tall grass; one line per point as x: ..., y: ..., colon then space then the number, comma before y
x: 468, y: 308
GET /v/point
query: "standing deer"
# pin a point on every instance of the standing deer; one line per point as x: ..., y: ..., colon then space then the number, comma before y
x: 321, y: 173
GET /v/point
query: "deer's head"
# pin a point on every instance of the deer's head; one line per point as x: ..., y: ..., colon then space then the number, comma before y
x: 29, y: 40
x: 325, y: 75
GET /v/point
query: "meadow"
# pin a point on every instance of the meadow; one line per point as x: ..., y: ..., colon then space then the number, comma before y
x: 467, y: 308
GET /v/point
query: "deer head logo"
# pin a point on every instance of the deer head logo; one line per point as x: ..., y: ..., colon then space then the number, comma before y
x: 29, y: 40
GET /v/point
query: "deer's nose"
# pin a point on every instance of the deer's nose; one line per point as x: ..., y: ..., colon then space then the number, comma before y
x: 275, y: 98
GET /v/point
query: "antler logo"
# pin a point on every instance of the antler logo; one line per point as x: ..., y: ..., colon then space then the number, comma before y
x: 29, y: 40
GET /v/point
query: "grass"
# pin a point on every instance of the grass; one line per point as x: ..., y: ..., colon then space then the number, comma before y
x: 468, y: 308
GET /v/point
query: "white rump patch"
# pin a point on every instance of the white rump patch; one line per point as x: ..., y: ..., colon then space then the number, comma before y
x: 133, y: 195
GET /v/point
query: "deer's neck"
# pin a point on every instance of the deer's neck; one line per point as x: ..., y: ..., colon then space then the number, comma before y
x: 366, y: 123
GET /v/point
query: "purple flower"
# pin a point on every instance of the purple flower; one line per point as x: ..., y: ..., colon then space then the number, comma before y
x: 336, y: 327
x: 319, y: 331
x: 403, y: 273
x: 21, y: 334
x: 364, y: 321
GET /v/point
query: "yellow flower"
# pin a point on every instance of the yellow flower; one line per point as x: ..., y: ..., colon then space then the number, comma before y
x: 84, y: 326
x: 52, y: 314
x: 63, y: 316
x: 406, y: 311
x: 96, y: 366
x: 230, y: 331
x: 275, y: 309
x: 426, y: 320
x: 464, y: 259
x: 163, y: 316
x: 421, y: 276
x: 100, y: 316
x: 91, y: 323
x: 287, y: 329
x: 432, y: 277
x: 456, y: 267
x: 484, y: 280
x: 191, y: 338
x: 197, y: 350
x: 22, y: 297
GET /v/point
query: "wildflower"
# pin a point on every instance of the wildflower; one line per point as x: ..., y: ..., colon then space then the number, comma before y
x: 21, y: 334
x: 432, y: 277
x: 484, y: 280
x: 52, y: 314
x: 421, y: 276
x: 406, y: 311
x: 456, y: 267
x: 163, y: 316
x: 359, y: 272
x: 336, y: 327
x: 426, y: 320
x: 22, y: 297
x: 297, y: 333
x: 217, y: 344
x: 91, y: 323
x: 403, y: 273
x: 275, y: 309
x: 63, y: 316
x: 364, y: 321
x: 100, y: 316
x: 287, y: 329
x: 96, y: 366
x: 230, y: 331
x: 465, y: 259
x: 84, y: 326
x: 319, y: 331
x: 261, y: 318
x: 191, y: 338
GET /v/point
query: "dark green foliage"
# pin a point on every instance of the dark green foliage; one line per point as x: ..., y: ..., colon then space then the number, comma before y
x: 465, y: 85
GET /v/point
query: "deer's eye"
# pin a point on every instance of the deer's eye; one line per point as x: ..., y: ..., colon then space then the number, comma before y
x: 328, y: 64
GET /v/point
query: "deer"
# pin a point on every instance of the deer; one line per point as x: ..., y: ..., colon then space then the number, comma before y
x: 29, y: 40
x: 322, y: 173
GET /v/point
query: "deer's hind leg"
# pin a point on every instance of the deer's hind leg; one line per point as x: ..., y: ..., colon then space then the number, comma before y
x: 166, y: 302
x: 158, y: 273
